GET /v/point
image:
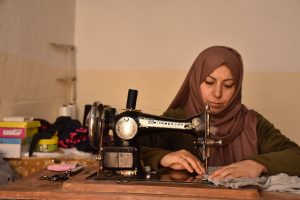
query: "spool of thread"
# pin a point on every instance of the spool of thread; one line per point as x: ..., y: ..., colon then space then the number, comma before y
x: 131, y: 99
x: 65, y: 111
x: 73, y: 110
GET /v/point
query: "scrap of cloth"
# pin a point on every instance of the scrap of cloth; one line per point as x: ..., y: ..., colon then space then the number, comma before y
x: 277, y: 183
x: 7, y: 174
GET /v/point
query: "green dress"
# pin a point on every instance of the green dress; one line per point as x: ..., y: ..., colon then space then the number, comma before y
x: 275, y: 151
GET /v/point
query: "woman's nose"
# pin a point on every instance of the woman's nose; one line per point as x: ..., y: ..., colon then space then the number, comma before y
x: 217, y: 92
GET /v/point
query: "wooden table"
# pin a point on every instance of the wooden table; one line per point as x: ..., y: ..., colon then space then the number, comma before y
x: 78, y: 187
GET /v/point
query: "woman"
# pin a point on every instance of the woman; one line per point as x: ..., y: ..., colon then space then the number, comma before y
x: 251, y: 144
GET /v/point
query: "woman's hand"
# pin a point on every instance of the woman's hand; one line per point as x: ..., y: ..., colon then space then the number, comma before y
x: 244, y: 169
x: 182, y: 159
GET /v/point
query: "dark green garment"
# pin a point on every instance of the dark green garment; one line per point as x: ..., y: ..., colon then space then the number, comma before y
x: 275, y: 151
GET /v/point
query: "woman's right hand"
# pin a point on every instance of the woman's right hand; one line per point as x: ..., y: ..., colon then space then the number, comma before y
x: 182, y: 159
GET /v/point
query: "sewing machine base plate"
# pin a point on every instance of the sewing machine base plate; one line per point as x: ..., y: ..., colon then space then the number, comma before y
x: 168, y: 184
x: 171, y: 177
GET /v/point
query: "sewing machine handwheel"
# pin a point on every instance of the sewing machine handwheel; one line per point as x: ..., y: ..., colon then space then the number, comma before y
x: 95, y: 124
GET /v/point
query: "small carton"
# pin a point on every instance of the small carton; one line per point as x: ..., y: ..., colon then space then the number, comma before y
x: 13, y: 150
x: 15, y: 137
x: 18, y: 129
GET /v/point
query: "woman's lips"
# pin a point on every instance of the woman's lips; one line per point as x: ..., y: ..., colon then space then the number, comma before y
x: 216, y: 105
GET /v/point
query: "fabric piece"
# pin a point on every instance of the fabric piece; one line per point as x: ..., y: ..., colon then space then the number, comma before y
x: 277, y: 183
x: 7, y: 174
x: 283, y: 183
x: 240, y: 182
x: 5, y: 178
x: 61, y: 167
x: 236, y: 124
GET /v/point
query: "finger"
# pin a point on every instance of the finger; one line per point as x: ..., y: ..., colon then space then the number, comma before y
x: 201, y: 167
x: 234, y: 175
x: 225, y: 173
x: 195, y: 164
x: 198, y: 165
x: 216, y: 172
x: 222, y: 173
x: 184, y: 162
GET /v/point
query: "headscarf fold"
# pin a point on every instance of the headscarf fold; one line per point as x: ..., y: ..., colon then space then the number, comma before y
x: 236, y: 124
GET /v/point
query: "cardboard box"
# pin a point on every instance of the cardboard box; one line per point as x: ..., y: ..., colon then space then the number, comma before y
x: 13, y: 150
x: 26, y: 140
x: 15, y: 137
x: 18, y: 129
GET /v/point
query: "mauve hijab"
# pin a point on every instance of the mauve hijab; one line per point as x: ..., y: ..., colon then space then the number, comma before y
x: 236, y: 124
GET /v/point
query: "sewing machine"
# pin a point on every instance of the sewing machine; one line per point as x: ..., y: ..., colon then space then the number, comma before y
x: 115, y: 136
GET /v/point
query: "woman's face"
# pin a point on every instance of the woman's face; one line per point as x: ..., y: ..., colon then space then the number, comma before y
x: 218, y: 88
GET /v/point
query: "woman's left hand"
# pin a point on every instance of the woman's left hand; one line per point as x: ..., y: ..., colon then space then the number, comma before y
x: 245, y: 169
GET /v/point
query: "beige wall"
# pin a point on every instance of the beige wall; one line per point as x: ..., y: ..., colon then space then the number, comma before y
x: 275, y: 94
x: 31, y: 67
x: 169, y: 34
x: 150, y: 45
x: 31, y: 88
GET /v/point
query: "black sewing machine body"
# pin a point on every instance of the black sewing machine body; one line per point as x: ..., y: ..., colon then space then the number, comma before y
x: 115, y: 135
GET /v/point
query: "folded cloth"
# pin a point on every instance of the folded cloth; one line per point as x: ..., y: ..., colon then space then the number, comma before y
x: 277, y: 183
x: 240, y: 182
x: 7, y: 173
x: 61, y: 167
x: 282, y: 183
x: 5, y: 178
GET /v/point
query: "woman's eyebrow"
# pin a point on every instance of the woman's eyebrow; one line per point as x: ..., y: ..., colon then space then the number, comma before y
x: 209, y: 76
x: 229, y: 79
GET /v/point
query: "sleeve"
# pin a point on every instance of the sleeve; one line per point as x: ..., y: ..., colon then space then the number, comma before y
x: 276, y: 152
x: 152, y: 156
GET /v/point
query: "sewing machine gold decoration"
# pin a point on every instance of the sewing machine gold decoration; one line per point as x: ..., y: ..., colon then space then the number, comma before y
x: 115, y: 136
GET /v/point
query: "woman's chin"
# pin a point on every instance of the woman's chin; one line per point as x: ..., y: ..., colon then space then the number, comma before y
x: 216, y: 110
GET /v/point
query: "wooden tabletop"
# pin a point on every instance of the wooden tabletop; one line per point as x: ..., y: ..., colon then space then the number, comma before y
x: 79, y: 187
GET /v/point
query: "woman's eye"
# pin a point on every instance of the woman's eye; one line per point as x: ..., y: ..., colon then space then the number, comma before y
x: 209, y: 82
x: 229, y: 85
